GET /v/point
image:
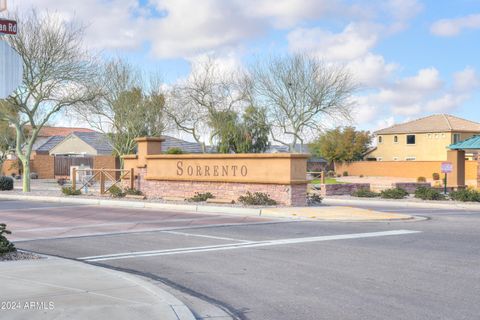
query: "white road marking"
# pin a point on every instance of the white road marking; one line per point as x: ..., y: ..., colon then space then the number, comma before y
x: 114, y: 233
x: 253, y: 244
x: 204, y: 236
x: 43, y: 208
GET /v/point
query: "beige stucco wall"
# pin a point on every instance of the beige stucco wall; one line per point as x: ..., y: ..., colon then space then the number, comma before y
x: 428, y: 146
x: 73, y: 145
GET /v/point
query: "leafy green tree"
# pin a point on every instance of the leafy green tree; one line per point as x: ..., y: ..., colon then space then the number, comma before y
x: 248, y: 135
x: 342, y: 144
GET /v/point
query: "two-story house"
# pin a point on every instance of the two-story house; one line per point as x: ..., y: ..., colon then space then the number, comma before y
x: 424, y: 139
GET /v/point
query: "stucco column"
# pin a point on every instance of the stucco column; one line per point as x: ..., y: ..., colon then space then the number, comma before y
x: 456, y: 179
x: 147, y: 146
x: 478, y: 172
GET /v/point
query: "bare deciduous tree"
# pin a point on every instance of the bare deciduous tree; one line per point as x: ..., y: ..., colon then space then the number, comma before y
x: 130, y: 105
x: 208, y: 90
x: 56, y: 75
x: 300, y: 93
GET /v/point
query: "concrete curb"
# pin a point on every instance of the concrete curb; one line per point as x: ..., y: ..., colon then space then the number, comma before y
x: 408, y: 204
x: 137, y: 204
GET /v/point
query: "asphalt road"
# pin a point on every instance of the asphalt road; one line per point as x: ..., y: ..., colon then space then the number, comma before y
x: 255, y: 268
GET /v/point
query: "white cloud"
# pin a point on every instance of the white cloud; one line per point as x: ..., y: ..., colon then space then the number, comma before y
x: 371, y: 70
x: 452, y: 27
x: 353, y: 42
x: 445, y: 103
x: 466, y: 80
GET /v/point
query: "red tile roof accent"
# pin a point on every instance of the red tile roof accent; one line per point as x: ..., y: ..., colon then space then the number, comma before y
x: 60, y: 131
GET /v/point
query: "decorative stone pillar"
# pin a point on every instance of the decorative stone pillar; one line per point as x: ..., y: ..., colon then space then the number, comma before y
x: 147, y: 146
x: 456, y: 179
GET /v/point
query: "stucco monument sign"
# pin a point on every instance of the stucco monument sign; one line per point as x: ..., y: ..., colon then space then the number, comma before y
x: 226, y: 176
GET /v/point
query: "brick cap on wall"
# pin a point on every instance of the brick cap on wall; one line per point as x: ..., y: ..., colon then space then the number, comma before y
x: 230, y: 156
x: 147, y: 139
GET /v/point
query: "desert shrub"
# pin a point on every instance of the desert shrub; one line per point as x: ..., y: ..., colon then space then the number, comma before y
x: 345, y: 173
x: 365, y: 193
x: 465, y: 195
x: 257, y: 199
x: 33, y: 175
x: 116, y: 192
x: 421, y: 179
x: 5, y: 245
x: 133, y: 192
x: 69, y: 191
x: 394, y: 193
x: 435, y: 176
x: 313, y: 199
x: 174, y: 150
x: 426, y: 193
x: 331, y: 174
x: 6, y: 183
x: 200, y: 197
x: 62, y: 181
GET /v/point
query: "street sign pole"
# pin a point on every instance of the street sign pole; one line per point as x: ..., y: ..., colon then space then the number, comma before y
x: 445, y: 184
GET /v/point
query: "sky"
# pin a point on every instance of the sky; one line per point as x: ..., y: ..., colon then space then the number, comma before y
x: 412, y: 58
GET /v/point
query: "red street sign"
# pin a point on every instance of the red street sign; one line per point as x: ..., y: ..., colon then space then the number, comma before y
x: 447, y: 167
x: 8, y: 26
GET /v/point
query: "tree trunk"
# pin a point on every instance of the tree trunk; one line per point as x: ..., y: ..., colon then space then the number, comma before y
x: 26, y: 174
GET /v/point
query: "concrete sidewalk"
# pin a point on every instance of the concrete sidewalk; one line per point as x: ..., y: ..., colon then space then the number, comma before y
x: 54, y: 288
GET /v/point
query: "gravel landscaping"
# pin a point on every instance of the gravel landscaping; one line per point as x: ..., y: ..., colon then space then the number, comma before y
x: 19, y: 255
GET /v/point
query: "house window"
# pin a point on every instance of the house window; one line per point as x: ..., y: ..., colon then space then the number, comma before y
x: 411, y: 139
x: 395, y: 139
x: 456, y: 137
x: 380, y: 139
x: 410, y: 158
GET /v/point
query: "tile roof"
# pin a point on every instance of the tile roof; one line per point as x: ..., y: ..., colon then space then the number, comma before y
x: 469, y: 144
x: 50, y: 144
x: 59, y: 131
x: 186, y: 146
x: 433, y: 123
x: 96, y: 140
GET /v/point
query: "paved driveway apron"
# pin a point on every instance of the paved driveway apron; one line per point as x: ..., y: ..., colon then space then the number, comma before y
x: 258, y: 268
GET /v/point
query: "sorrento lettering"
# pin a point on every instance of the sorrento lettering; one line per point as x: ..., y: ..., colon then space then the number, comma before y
x: 211, y: 170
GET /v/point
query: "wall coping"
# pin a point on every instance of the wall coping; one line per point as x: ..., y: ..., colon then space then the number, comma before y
x: 147, y: 139
x: 230, y: 156
x: 130, y: 156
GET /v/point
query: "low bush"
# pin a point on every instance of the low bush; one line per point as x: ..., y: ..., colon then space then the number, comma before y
x: 360, y: 176
x: 394, y: 193
x: 331, y: 174
x: 313, y: 199
x: 5, y: 245
x: 425, y: 193
x: 465, y: 195
x: 257, y: 199
x: 69, y: 191
x: 365, y: 193
x: 174, y: 150
x: 345, y: 173
x: 133, y: 192
x: 200, y: 197
x: 421, y: 179
x: 116, y: 192
x: 435, y: 176
x: 6, y: 183
x: 33, y: 175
